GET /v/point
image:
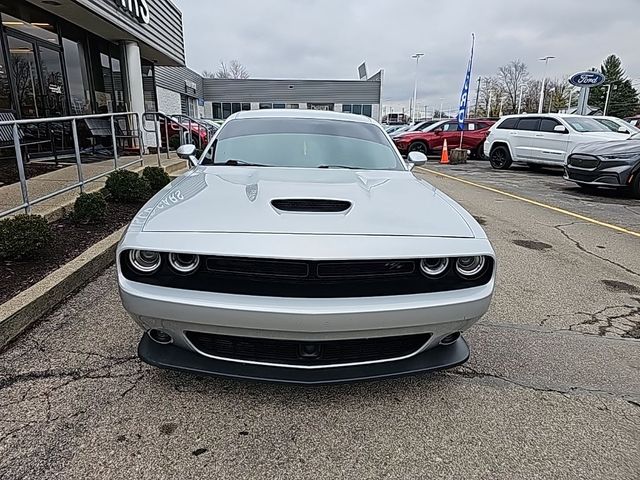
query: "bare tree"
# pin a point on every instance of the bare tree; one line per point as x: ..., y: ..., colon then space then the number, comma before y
x: 512, y: 77
x: 208, y: 74
x: 490, y: 91
x: 234, y: 70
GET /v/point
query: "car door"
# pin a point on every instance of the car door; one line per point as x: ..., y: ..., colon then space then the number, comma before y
x: 523, y: 140
x: 551, y: 146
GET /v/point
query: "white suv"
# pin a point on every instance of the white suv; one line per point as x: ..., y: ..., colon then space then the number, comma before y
x: 545, y: 139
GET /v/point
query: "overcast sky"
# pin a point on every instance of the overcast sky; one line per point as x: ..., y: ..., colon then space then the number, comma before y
x: 330, y: 38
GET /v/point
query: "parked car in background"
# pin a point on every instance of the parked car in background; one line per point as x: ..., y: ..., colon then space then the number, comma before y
x: 431, y: 140
x: 635, y: 121
x: 542, y: 140
x: 390, y: 129
x: 617, y: 125
x: 606, y: 164
x: 182, y: 131
x: 288, y: 254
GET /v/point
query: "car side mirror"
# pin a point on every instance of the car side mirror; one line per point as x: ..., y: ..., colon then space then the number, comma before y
x: 417, y: 159
x: 438, y: 131
x: 622, y: 129
x: 560, y: 129
x: 188, y: 152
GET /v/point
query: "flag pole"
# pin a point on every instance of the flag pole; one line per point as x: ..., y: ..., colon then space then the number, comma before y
x: 464, y: 99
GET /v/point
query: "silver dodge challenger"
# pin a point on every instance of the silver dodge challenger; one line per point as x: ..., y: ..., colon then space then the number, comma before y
x: 301, y: 248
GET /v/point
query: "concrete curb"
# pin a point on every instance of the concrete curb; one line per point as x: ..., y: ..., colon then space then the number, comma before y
x: 28, y: 307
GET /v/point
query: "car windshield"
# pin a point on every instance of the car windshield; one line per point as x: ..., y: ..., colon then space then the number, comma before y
x: 302, y: 143
x: 586, y: 124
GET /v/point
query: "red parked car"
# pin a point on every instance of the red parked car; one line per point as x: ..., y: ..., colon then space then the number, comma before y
x: 432, y: 139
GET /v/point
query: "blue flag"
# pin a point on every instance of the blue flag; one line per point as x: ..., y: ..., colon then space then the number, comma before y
x: 464, y: 98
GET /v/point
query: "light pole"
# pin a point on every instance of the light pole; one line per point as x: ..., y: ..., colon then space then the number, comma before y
x: 570, y: 98
x: 441, y: 105
x: 544, y: 78
x: 477, y: 97
x: 520, y: 99
x: 489, y: 105
x: 606, y: 102
x: 415, y: 86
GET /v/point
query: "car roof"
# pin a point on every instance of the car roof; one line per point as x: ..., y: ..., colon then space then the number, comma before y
x: 295, y: 113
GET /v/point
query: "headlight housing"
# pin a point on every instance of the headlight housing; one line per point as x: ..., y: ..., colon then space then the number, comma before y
x: 434, y: 267
x: 145, y: 261
x: 470, y: 267
x: 622, y: 156
x: 184, y: 263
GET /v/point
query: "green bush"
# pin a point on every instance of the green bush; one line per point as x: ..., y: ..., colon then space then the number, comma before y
x: 156, y: 177
x: 23, y: 236
x: 124, y: 186
x: 90, y: 208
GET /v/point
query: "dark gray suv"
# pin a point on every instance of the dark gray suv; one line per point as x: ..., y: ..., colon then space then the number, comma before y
x: 606, y: 164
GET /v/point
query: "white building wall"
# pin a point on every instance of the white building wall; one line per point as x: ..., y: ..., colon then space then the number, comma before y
x: 208, y: 109
x: 168, y: 101
x: 375, y: 112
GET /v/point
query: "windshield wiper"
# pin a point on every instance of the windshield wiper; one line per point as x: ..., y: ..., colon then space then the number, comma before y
x: 340, y: 166
x: 241, y: 163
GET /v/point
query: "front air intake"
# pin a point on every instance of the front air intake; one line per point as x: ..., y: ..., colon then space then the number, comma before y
x: 311, y: 205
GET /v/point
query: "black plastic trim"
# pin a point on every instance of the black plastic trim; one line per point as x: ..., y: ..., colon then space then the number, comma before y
x: 176, y: 358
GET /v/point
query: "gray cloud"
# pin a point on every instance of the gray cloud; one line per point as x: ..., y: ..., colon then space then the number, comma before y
x: 330, y: 38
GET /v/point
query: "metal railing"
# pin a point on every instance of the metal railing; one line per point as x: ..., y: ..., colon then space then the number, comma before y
x: 184, y: 123
x: 27, y: 201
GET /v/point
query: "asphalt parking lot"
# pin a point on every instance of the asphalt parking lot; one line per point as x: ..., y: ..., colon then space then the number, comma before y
x: 552, y: 389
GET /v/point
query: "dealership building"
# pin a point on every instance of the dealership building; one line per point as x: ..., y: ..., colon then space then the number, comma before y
x: 79, y: 57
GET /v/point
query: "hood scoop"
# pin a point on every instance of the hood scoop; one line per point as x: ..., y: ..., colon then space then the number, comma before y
x: 310, y: 205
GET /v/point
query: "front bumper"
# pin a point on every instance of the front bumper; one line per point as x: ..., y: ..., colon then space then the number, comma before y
x: 605, y: 175
x: 177, y: 312
x: 176, y: 358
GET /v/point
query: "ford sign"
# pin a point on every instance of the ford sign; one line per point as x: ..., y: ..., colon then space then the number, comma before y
x: 587, y: 79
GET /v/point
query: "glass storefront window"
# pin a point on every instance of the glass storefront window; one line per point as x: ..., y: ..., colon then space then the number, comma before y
x: 77, y: 77
x: 25, y: 74
x: 52, y: 82
x: 149, y: 88
x: 5, y: 85
x: 118, y: 85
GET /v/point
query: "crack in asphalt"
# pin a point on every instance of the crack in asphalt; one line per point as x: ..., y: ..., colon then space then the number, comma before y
x: 582, y: 248
x: 470, y: 372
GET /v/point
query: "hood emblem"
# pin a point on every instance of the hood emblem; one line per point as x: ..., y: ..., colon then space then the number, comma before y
x: 252, y: 192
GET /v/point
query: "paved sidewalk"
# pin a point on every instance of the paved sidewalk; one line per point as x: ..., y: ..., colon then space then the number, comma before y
x: 54, y: 208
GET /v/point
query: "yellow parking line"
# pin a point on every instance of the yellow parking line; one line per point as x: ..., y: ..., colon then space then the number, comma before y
x: 533, y: 202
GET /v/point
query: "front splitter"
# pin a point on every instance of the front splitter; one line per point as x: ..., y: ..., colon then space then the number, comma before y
x: 176, y: 358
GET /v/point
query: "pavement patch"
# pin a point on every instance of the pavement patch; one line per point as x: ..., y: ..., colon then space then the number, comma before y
x: 617, y: 286
x: 533, y: 245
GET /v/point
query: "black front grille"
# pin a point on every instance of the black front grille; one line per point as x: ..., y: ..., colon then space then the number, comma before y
x: 583, y: 161
x: 306, y: 278
x: 581, y: 177
x: 311, y: 205
x: 292, y: 352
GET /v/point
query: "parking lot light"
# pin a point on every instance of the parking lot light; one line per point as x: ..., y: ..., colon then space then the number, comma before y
x: 544, y: 78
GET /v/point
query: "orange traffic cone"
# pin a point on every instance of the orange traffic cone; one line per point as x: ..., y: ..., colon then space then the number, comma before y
x: 444, y: 159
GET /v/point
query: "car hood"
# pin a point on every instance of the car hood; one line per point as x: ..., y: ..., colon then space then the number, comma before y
x: 612, y: 147
x: 238, y: 199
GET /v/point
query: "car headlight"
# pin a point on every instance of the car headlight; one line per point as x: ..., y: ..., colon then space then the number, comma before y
x: 470, y: 267
x: 622, y: 156
x: 184, y: 263
x: 145, y: 261
x: 434, y: 267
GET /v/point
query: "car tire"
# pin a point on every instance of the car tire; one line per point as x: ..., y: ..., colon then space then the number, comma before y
x: 419, y: 147
x: 635, y: 186
x: 478, y: 153
x: 500, y: 158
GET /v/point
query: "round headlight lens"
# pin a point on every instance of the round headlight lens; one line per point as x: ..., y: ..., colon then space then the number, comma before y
x: 434, y: 267
x: 184, y: 262
x: 145, y: 261
x: 470, y: 267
